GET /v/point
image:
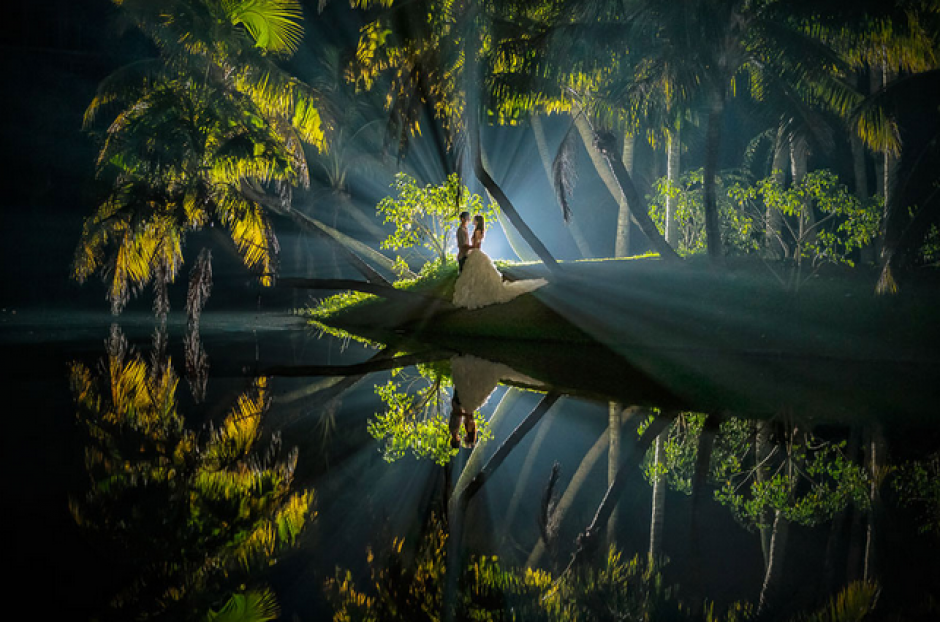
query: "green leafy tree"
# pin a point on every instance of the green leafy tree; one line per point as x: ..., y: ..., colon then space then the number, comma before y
x: 426, y: 217
x: 917, y: 483
x: 823, y: 222
x: 739, y: 224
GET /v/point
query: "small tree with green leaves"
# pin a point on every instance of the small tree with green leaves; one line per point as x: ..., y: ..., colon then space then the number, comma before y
x: 822, y: 221
x: 917, y: 483
x: 417, y: 415
x: 426, y: 217
x: 805, y: 478
x: 738, y: 224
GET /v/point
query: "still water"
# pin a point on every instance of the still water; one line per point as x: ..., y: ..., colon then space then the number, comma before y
x: 260, y: 464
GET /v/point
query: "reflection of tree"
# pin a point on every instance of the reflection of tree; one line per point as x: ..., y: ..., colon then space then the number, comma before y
x: 196, y: 512
x: 416, y: 415
x: 618, y: 589
x: 769, y: 474
x: 917, y: 483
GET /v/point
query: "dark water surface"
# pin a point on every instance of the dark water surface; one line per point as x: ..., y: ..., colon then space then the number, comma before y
x: 383, y: 517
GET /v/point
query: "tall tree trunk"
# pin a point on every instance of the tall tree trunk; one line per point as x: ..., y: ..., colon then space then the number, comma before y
x: 624, y: 218
x: 659, y: 498
x: 799, y: 155
x: 710, y: 174
x: 673, y: 149
x: 542, y: 144
x: 877, y: 465
x: 762, y: 450
x: 891, y: 224
x: 774, y: 244
x: 706, y: 443
x: 614, y: 411
x: 605, y: 145
x: 778, y: 546
x: 888, y: 186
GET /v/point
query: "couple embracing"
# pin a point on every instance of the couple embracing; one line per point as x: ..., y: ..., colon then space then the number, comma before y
x: 479, y: 282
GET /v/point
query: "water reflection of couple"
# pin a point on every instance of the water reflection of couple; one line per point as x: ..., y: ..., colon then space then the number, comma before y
x: 475, y: 379
x: 480, y: 283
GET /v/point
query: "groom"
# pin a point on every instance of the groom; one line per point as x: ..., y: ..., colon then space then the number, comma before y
x: 463, y: 241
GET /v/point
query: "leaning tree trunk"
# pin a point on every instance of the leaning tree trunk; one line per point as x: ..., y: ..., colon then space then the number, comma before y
x: 589, y: 539
x: 589, y: 138
x: 710, y: 174
x: 524, y: 475
x: 352, y: 249
x: 637, y: 205
x: 673, y: 149
x: 463, y: 495
x: 506, y: 205
x: 611, y: 182
x: 574, y: 486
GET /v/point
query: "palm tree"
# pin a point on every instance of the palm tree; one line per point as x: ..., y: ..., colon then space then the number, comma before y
x: 212, y: 116
x: 542, y: 67
x: 430, y: 54
x: 895, y: 44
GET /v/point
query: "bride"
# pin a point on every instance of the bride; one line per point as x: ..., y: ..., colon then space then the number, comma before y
x: 480, y: 283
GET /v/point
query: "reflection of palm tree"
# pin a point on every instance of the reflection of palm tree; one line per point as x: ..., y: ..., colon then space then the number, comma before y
x: 410, y: 585
x: 196, y: 512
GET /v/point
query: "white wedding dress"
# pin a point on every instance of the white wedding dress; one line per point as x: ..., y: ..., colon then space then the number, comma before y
x: 475, y: 379
x: 481, y: 284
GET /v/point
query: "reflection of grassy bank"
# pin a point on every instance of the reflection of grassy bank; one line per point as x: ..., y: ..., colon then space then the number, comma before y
x: 704, y: 337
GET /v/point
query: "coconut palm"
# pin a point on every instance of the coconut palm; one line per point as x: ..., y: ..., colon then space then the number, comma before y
x: 211, y: 116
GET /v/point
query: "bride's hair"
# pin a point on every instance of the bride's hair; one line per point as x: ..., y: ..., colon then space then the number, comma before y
x: 478, y: 222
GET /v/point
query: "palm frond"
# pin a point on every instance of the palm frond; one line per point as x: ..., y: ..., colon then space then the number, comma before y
x: 251, y: 606
x: 273, y: 24
x: 564, y: 170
